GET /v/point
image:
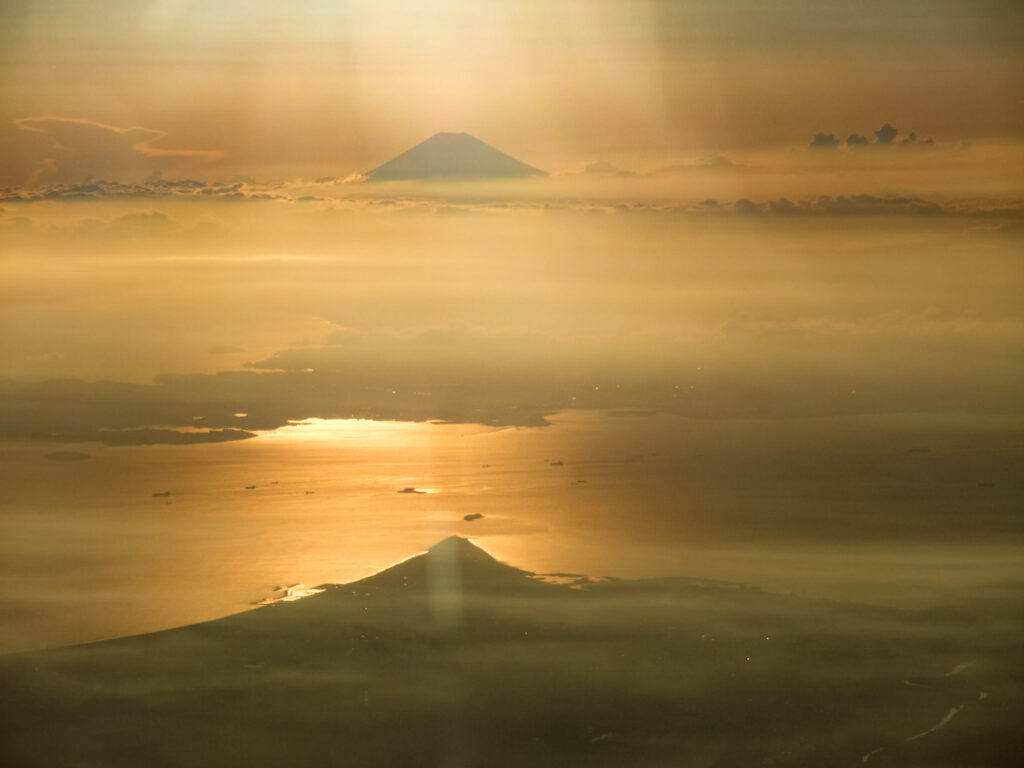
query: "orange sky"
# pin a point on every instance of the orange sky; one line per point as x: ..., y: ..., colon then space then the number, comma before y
x: 275, y: 91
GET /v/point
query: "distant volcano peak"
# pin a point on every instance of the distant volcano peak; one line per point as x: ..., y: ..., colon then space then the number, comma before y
x: 449, y: 155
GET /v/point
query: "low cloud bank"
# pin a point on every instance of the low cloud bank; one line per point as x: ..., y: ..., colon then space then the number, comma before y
x: 297, y: 193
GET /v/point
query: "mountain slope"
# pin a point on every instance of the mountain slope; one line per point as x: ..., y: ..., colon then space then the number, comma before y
x: 452, y: 156
x: 453, y: 658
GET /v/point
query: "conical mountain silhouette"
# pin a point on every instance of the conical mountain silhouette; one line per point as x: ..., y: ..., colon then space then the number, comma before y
x: 452, y: 156
x: 454, y: 565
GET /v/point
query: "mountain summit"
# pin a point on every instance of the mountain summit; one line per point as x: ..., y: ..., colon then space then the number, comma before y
x: 452, y: 156
x: 454, y: 565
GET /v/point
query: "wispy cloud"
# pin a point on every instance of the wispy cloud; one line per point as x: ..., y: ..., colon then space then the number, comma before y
x: 80, y: 148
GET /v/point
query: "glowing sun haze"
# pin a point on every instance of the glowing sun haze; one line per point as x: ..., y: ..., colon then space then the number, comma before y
x: 271, y: 90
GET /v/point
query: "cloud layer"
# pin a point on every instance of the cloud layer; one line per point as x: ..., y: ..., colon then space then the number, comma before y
x: 384, y: 201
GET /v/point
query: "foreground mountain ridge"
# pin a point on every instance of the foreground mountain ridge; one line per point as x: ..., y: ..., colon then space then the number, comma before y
x: 453, y: 658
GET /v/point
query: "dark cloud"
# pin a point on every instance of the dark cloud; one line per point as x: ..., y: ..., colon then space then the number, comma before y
x: 783, y: 207
x: 746, y: 207
x: 824, y: 141
x: 65, y: 149
x: 886, y: 134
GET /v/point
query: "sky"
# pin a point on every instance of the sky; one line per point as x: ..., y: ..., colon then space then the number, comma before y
x: 192, y: 89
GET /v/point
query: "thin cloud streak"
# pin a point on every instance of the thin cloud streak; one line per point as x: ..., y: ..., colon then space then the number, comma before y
x: 82, y: 147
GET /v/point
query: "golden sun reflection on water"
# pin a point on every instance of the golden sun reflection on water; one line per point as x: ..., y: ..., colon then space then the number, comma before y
x: 143, y: 538
x: 396, y: 434
x: 95, y: 548
x: 477, y: 476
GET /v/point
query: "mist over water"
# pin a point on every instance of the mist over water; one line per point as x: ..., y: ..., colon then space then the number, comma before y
x: 809, y: 405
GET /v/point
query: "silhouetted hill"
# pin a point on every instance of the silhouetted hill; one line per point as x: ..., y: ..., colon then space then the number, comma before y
x: 452, y: 156
x: 453, y: 658
x: 454, y: 564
